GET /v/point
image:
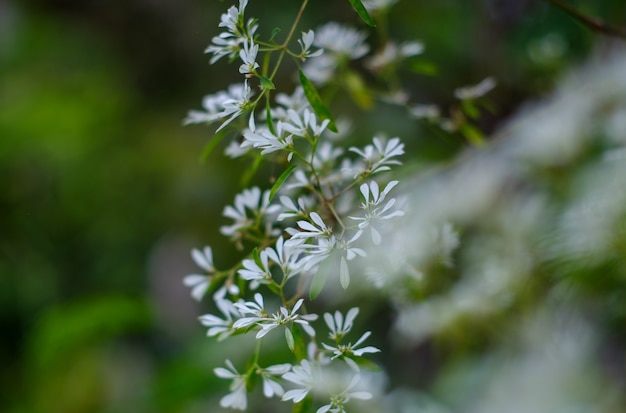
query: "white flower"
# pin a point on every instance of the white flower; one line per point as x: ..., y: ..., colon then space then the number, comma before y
x: 256, y: 308
x: 347, y: 350
x: 248, y: 56
x: 265, y: 140
x: 341, y: 40
x: 229, y: 43
x: 338, y: 325
x: 250, y: 201
x: 253, y: 271
x: 286, y: 255
x: 313, y: 230
x: 378, y: 156
x: 425, y: 111
x: 305, y: 43
x: 234, y: 107
x: 338, y: 401
x: 373, y: 211
x: 222, y: 328
x: 200, y: 283
x: 302, y: 376
x: 296, y: 101
x: 214, y: 105
x: 271, y: 387
x: 300, y: 126
x: 393, y: 53
x: 290, y: 210
x: 285, y: 317
x: 475, y: 91
x: 237, y: 398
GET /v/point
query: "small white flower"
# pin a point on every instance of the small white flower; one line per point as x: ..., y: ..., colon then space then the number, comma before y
x: 271, y: 387
x: 234, y: 107
x: 248, y: 55
x: 300, y: 126
x: 339, y: 325
x: 237, y: 398
x: 373, y: 211
x: 290, y: 210
x: 475, y: 91
x: 222, y: 328
x: 305, y: 43
x: 265, y: 140
x: 248, y: 207
x: 378, y: 156
x: 302, y: 376
x: 199, y: 284
x: 253, y: 271
x: 256, y: 308
x: 393, y: 53
x: 347, y: 350
x: 341, y: 40
x: 315, y: 229
x: 338, y: 401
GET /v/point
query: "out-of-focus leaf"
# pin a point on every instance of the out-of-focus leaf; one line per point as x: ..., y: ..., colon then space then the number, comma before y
x: 424, y: 67
x: 472, y: 134
x: 362, y: 12
x: 359, y: 91
x: 281, y: 180
x: 315, y: 100
x: 211, y: 145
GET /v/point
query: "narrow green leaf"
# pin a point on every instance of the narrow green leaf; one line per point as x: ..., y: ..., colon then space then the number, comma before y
x: 281, y: 180
x: 251, y: 171
x: 424, y: 67
x: 210, y: 146
x: 344, y: 273
x: 472, y: 134
x: 257, y: 257
x: 266, y: 83
x: 300, y: 347
x: 290, y: 341
x: 317, y: 285
x: 315, y: 100
x: 362, y: 11
x: 470, y: 109
x: 274, y: 33
x: 268, y: 115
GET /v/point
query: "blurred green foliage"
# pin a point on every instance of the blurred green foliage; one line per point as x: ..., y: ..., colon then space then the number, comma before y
x: 96, y: 170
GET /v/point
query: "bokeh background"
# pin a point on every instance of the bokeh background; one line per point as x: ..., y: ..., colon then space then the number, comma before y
x: 104, y: 192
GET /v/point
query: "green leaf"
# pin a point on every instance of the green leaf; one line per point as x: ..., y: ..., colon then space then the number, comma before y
x: 315, y: 100
x: 268, y: 116
x: 300, y: 347
x: 210, y: 146
x: 472, y: 134
x: 424, y: 67
x: 257, y: 257
x: 319, y: 280
x: 290, y: 341
x: 358, y: 90
x: 251, y: 171
x: 274, y: 33
x: 470, y: 109
x: 266, y: 83
x: 281, y: 180
x: 362, y: 11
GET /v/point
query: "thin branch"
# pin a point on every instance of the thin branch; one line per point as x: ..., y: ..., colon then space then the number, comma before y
x: 592, y: 23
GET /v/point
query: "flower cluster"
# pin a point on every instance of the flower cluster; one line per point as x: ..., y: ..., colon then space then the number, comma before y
x: 309, y: 226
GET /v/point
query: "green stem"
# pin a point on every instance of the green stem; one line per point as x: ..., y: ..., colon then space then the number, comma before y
x: 283, y: 47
